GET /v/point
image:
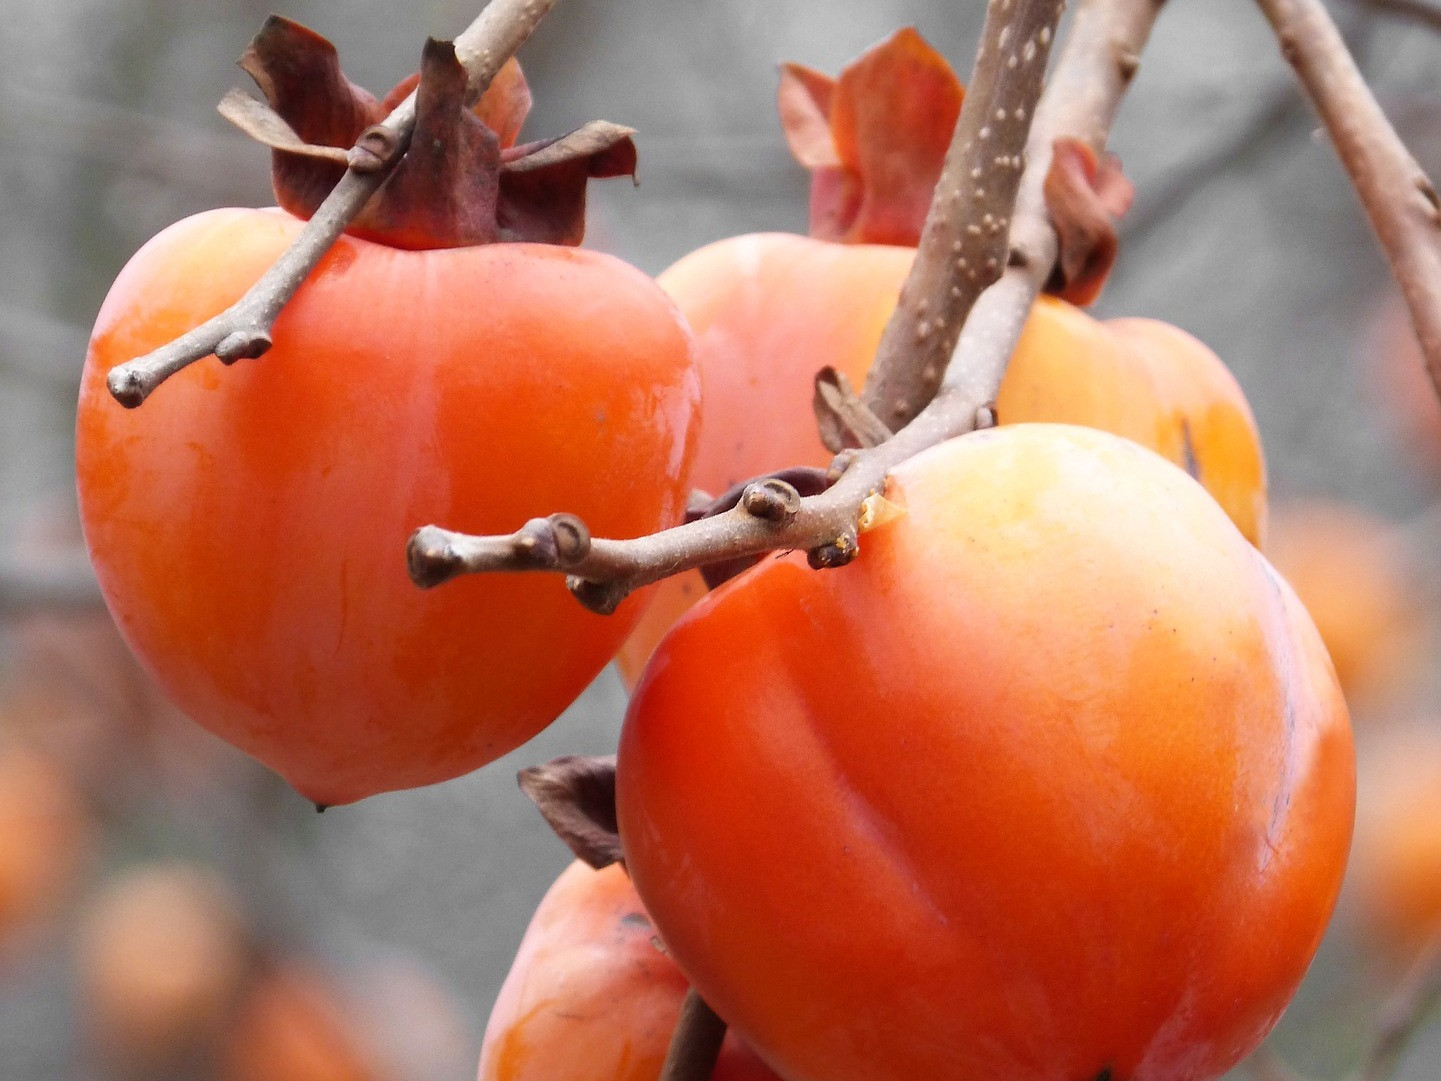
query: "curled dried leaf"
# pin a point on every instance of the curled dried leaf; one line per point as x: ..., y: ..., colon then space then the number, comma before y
x: 1086, y: 194
x: 874, y: 138
x: 844, y: 420
x: 575, y: 794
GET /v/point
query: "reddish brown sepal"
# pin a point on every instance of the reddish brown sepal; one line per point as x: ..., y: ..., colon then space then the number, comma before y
x: 1086, y: 195
x: 575, y: 794
x: 461, y: 182
x: 874, y: 138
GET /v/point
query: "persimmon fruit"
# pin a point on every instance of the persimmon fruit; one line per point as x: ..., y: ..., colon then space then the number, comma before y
x: 1396, y: 866
x: 248, y: 525
x: 770, y: 310
x: 592, y: 996
x: 1360, y: 581
x: 162, y: 953
x: 1053, y: 780
x: 45, y: 835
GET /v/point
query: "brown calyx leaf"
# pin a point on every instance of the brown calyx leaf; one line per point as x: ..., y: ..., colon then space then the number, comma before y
x: 575, y: 794
x: 874, y: 138
x: 844, y: 420
x: 461, y: 182
x: 1087, y: 194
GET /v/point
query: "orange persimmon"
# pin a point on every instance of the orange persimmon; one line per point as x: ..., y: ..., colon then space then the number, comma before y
x: 248, y: 526
x: 592, y: 995
x: 769, y: 311
x: 1053, y: 780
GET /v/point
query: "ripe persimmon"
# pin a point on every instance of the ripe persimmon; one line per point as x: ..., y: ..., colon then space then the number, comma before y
x: 592, y: 995
x: 248, y: 526
x: 1360, y: 581
x: 1053, y: 780
x: 769, y: 311
x: 1396, y: 865
x: 45, y: 834
x: 161, y: 956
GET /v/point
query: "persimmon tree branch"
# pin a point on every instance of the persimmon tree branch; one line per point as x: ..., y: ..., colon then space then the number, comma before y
x: 1398, y: 197
x: 1090, y: 78
x: 963, y: 245
x: 696, y: 1042
x: 1423, y: 11
x: 243, y: 330
x: 1403, y: 1015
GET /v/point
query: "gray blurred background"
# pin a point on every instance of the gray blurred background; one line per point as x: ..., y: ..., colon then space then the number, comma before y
x: 1245, y: 233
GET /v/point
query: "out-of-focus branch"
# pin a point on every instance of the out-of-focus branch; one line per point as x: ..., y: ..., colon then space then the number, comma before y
x: 1398, y: 197
x: 1089, y: 80
x: 1403, y: 1015
x: 63, y: 581
x: 1422, y: 11
x: 696, y: 1043
x: 243, y: 329
x: 963, y: 245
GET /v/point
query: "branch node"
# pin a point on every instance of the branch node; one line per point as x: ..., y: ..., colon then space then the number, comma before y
x: 246, y: 344
x: 375, y: 150
x: 127, y: 386
x: 430, y: 558
x: 570, y: 537
x: 986, y: 417
x: 841, y: 462
x: 602, y: 598
x: 837, y: 553
x: 772, y: 500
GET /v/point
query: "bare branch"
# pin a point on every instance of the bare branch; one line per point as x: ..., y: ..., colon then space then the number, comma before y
x: 696, y: 1044
x: 1402, y: 1016
x: 1265, y: 1065
x: 243, y: 330
x: 1086, y: 88
x: 1423, y: 11
x: 64, y: 581
x: 1400, y: 200
x: 963, y: 246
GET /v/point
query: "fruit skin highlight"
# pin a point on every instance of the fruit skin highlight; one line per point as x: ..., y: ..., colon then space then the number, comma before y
x: 1054, y: 780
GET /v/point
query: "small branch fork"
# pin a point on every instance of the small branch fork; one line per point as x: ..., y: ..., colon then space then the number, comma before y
x: 1399, y: 199
x: 243, y: 330
x: 1086, y: 88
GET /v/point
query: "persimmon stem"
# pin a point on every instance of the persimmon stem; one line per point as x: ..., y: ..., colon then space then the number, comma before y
x: 1398, y: 197
x: 964, y: 242
x: 696, y: 1043
x: 244, y: 329
x: 1086, y: 88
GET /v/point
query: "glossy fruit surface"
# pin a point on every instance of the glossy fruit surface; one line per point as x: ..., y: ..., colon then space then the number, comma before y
x: 592, y: 996
x: 248, y: 526
x: 1053, y: 781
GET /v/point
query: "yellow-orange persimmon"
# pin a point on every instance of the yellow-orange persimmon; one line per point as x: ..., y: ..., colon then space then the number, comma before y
x: 161, y: 956
x: 1357, y: 577
x: 1054, y: 780
x: 1396, y: 865
x: 770, y: 310
x: 592, y: 995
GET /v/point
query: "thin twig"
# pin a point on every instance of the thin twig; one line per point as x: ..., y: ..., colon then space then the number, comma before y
x: 1400, y: 200
x: 696, y: 1043
x: 1265, y: 1065
x: 963, y: 245
x: 1403, y: 1015
x: 1086, y: 88
x: 243, y: 330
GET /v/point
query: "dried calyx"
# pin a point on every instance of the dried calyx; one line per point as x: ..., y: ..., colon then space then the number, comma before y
x: 462, y: 180
x: 875, y: 138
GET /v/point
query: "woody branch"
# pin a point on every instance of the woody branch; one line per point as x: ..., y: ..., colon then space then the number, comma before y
x: 1086, y: 88
x: 1398, y: 197
x: 243, y: 330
